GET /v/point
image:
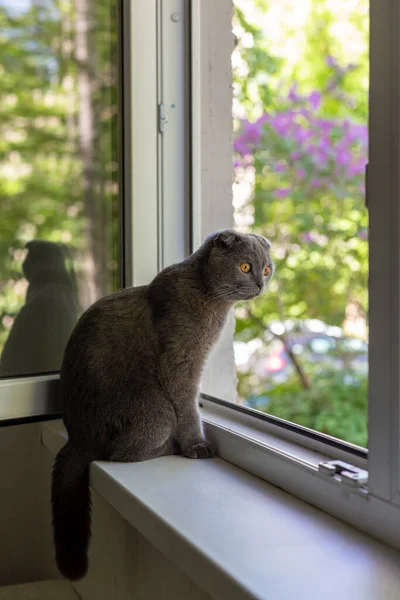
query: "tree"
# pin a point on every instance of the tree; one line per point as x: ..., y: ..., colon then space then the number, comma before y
x: 301, y: 148
x: 53, y: 185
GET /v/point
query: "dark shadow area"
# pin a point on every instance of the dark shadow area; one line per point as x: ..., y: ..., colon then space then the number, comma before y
x: 42, y: 327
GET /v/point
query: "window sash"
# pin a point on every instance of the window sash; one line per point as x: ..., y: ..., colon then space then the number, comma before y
x: 383, y: 202
x: 152, y: 51
x: 174, y: 142
x: 35, y: 397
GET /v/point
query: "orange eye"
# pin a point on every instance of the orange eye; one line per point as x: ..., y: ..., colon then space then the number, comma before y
x: 267, y: 271
x: 245, y: 267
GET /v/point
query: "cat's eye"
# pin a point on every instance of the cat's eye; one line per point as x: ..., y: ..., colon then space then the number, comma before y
x: 245, y: 267
x: 267, y: 271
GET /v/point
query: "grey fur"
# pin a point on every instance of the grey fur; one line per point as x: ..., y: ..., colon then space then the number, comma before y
x: 132, y: 368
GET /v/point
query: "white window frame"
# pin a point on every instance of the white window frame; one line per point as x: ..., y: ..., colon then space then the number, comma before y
x: 284, y: 455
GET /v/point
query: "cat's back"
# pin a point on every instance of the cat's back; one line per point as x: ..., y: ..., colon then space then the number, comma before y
x: 110, y: 323
x: 111, y: 341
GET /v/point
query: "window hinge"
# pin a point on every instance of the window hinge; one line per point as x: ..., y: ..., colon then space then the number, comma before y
x: 162, y: 118
x: 344, y: 472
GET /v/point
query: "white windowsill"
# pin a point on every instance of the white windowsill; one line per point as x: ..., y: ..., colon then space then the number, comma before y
x: 238, y: 537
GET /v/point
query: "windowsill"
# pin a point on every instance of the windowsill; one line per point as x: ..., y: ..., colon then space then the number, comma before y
x: 238, y: 537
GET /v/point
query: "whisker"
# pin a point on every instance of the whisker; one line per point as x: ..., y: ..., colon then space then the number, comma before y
x: 227, y: 294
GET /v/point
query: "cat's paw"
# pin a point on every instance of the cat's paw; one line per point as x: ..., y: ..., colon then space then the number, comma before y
x: 200, y: 450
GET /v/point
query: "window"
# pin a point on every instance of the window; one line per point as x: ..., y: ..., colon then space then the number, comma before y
x: 300, y: 108
x: 160, y: 156
x: 282, y: 451
x: 94, y: 172
x: 59, y: 173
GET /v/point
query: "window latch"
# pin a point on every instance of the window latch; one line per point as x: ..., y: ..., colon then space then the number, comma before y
x: 162, y: 118
x: 344, y: 472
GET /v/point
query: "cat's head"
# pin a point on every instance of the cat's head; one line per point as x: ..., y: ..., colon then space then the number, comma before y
x: 43, y: 258
x: 239, y: 266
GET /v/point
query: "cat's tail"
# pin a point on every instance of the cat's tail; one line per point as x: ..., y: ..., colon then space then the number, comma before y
x: 71, y: 506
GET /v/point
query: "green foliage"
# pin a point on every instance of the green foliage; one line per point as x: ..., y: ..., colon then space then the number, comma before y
x: 300, y: 148
x: 58, y: 142
x: 330, y: 406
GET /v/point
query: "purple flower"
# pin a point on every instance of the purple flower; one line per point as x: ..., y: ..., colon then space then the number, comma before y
x: 315, y: 100
x: 363, y: 234
x: 240, y: 147
x: 331, y: 61
x: 315, y: 182
x: 281, y: 123
x: 250, y: 136
x: 325, y: 144
x: 358, y: 132
x: 282, y: 192
x: 301, y: 173
x: 304, y: 112
x: 280, y: 166
x: 343, y: 157
x: 308, y: 237
x: 263, y: 119
x: 295, y: 155
x: 324, y: 125
x: 252, y: 132
x: 320, y: 157
x: 302, y: 135
x: 356, y: 168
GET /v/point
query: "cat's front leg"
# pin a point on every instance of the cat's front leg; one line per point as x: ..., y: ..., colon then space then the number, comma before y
x: 190, y: 435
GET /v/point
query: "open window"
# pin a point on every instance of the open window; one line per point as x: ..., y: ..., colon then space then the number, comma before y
x: 315, y: 99
x: 132, y: 108
x: 93, y: 172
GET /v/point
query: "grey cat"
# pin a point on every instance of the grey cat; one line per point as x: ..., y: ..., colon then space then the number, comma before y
x: 131, y: 373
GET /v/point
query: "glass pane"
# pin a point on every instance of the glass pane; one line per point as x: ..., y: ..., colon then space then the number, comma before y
x: 58, y: 173
x: 300, y: 112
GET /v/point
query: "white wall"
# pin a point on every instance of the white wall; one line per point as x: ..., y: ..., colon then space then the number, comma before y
x: 26, y: 550
x: 123, y: 565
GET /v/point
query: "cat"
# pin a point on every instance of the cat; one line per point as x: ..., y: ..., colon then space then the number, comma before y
x: 51, y: 307
x: 131, y: 372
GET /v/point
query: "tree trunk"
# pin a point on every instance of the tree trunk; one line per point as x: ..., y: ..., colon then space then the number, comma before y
x: 95, y: 261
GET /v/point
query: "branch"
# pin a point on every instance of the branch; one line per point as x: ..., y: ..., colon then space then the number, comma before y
x: 282, y: 337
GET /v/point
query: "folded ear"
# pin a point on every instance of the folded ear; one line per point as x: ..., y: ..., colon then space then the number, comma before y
x: 226, y: 238
x: 266, y: 242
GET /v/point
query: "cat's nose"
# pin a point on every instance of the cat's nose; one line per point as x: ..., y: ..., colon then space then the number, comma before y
x: 260, y: 285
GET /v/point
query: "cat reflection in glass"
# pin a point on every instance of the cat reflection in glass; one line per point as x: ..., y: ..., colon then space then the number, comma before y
x: 42, y: 327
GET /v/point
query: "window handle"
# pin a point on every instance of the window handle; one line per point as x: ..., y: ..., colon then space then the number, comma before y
x: 344, y: 472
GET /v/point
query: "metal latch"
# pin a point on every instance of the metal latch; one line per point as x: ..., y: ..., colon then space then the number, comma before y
x: 162, y: 118
x: 344, y: 472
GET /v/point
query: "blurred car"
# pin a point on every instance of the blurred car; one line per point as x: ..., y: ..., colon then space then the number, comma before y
x: 325, y: 351
x: 312, y: 343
